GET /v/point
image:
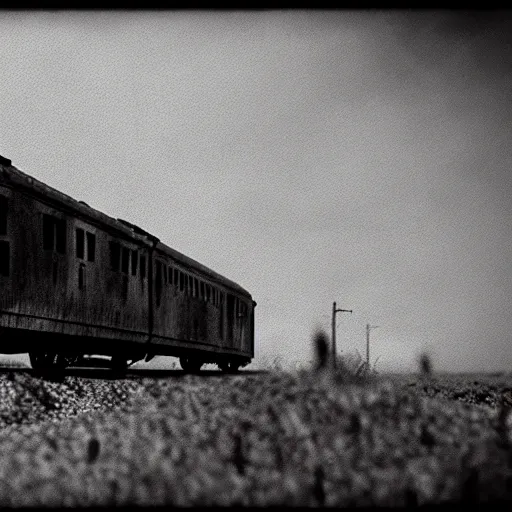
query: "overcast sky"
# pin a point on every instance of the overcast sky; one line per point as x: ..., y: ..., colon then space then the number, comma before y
x: 360, y: 157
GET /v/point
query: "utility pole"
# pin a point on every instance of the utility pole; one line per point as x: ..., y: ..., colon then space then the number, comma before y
x: 368, y: 327
x: 334, y: 311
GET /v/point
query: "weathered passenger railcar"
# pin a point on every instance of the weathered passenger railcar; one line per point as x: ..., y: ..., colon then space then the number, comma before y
x: 76, y: 282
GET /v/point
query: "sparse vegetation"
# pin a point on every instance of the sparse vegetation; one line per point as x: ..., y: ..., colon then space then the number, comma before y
x: 310, y: 437
x: 353, y: 368
x: 425, y: 364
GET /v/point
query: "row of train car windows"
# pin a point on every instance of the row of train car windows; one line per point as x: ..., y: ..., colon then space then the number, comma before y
x: 187, y: 284
x: 54, y: 238
x: 85, y: 239
x: 121, y: 257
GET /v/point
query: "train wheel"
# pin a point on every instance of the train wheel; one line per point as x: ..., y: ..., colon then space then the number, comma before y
x: 223, y: 366
x: 234, y: 366
x: 36, y: 360
x: 119, y: 363
x: 45, y: 361
x: 229, y: 366
x: 190, y: 365
x: 61, y: 361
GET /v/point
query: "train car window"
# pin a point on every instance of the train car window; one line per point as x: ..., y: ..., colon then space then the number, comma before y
x: 135, y: 260
x: 176, y: 277
x: 196, y: 287
x: 115, y: 253
x: 202, y: 294
x: 54, y: 234
x: 60, y: 235
x: 3, y: 215
x: 80, y: 243
x: 125, y: 260
x: 185, y: 287
x: 191, y: 286
x: 207, y: 293
x: 91, y: 246
x: 182, y: 281
x: 230, y: 313
x: 164, y: 268
x: 5, y: 258
x: 48, y: 232
x: 142, y: 266
x: 170, y: 273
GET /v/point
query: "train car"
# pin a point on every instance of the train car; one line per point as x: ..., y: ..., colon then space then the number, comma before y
x: 75, y: 282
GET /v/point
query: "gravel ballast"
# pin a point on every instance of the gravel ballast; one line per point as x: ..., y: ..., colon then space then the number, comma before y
x: 280, y: 438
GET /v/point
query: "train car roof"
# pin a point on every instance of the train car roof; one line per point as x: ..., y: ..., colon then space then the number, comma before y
x: 39, y: 189
x: 12, y: 176
x: 173, y: 253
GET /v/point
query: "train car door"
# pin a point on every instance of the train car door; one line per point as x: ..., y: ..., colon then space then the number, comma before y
x: 243, y: 326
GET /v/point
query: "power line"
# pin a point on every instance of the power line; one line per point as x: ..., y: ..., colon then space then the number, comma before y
x: 334, y: 311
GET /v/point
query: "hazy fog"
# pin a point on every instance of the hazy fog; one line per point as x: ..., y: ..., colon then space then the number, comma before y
x: 358, y: 157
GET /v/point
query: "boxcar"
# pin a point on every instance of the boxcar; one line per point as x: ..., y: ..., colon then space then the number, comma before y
x: 75, y: 282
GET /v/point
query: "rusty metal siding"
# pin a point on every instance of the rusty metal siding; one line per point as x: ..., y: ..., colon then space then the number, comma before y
x: 185, y: 319
x: 42, y: 292
x: 62, y: 293
x: 205, y: 272
x: 180, y: 315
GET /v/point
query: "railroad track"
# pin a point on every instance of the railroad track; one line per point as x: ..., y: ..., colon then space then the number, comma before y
x: 109, y: 374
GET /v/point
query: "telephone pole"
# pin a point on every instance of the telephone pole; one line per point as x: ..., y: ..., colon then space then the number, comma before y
x: 334, y: 311
x: 368, y: 327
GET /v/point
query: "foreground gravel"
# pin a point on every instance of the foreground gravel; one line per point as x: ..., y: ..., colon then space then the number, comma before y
x: 276, y: 439
x: 477, y: 389
x: 28, y: 400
